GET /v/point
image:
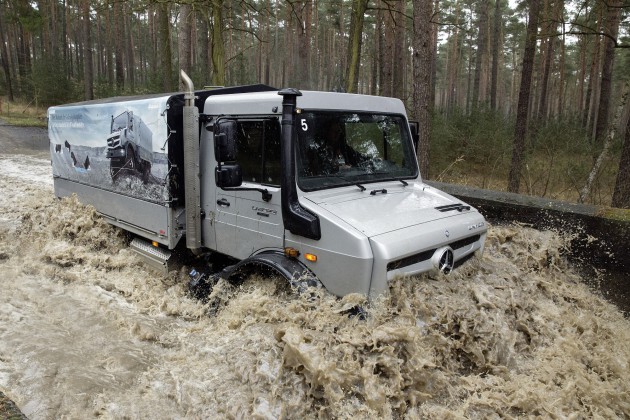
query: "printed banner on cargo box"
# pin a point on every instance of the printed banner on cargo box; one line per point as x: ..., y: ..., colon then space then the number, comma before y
x: 118, y: 146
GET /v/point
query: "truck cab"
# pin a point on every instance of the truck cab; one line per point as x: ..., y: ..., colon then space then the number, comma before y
x: 354, y: 176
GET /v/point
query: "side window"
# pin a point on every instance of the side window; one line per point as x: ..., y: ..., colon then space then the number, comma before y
x: 258, y: 144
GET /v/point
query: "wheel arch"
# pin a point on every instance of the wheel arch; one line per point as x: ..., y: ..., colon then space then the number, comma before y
x: 291, y: 269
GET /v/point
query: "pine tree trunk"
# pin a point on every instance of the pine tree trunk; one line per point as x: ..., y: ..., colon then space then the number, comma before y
x: 591, y: 91
x: 387, y: 54
x: 496, y: 34
x: 119, y: 32
x: 398, y: 63
x: 354, y: 45
x: 434, y: 52
x: 88, y: 71
x: 612, y: 25
x: 109, y: 25
x: 218, y: 51
x: 303, y: 78
x: 129, y: 49
x: 164, y: 46
x: 422, y: 58
x: 4, y: 56
x: 514, y: 178
x: 542, y: 108
x: 481, y: 46
x: 621, y: 194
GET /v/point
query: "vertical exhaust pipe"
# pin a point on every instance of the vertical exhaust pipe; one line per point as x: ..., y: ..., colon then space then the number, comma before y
x: 191, y: 166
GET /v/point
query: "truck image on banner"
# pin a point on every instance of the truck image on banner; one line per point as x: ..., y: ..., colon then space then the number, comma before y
x: 321, y: 188
x: 130, y: 146
x: 119, y: 147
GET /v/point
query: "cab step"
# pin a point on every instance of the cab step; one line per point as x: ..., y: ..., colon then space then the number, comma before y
x: 160, y: 259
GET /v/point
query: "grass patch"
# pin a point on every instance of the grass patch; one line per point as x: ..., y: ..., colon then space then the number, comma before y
x: 22, y: 114
x: 615, y: 214
x: 476, y: 150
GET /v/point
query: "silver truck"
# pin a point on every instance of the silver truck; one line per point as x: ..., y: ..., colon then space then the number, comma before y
x: 129, y: 145
x: 311, y: 185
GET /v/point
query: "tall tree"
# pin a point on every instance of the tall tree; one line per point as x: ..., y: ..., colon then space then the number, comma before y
x: 164, y: 46
x: 386, y: 44
x: 303, y: 76
x: 481, y: 47
x: 357, y: 18
x: 621, y: 194
x: 548, y: 62
x: 218, y: 50
x: 612, y: 29
x: 119, y: 33
x: 422, y: 58
x: 522, y: 111
x: 88, y: 70
x: 4, y: 57
x: 398, y: 70
x: 496, y: 34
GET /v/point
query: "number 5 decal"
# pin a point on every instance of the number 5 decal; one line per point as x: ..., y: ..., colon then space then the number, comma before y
x: 304, y: 125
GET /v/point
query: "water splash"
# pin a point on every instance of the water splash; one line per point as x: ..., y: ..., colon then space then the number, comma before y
x: 87, y: 331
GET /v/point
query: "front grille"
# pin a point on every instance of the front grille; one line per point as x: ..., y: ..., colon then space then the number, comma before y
x: 426, y: 255
x: 464, y: 242
x: 113, y: 141
x: 410, y: 260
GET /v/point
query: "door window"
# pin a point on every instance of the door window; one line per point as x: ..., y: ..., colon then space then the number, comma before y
x: 258, y: 144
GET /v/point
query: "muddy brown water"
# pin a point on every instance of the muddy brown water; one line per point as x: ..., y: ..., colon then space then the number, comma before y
x: 86, y: 331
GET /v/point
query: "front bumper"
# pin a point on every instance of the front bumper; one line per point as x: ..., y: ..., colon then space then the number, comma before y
x: 115, y: 153
x: 414, y: 250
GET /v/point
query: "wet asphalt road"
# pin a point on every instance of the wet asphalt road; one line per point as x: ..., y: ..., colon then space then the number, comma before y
x: 23, y: 140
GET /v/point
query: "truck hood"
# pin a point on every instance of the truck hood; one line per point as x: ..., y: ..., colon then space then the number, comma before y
x: 398, y: 208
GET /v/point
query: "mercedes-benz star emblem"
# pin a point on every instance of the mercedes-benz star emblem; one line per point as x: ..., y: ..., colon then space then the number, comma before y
x: 447, y: 233
x: 446, y: 261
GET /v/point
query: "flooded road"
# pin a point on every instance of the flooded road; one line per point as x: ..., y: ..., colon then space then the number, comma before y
x: 87, y: 331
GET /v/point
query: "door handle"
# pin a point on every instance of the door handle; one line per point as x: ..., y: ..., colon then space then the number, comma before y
x: 223, y: 202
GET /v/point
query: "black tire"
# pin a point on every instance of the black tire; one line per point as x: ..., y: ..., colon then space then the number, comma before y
x: 146, y: 171
x: 130, y: 160
x: 115, y: 167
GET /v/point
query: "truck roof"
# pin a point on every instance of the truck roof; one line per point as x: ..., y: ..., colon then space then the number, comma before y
x: 264, y: 103
x: 202, y: 94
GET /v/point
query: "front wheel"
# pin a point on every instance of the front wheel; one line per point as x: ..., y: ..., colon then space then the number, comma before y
x: 146, y: 171
x: 115, y: 167
x: 130, y: 160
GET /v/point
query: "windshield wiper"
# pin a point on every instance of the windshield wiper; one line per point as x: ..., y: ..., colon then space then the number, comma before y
x: 350, y: 182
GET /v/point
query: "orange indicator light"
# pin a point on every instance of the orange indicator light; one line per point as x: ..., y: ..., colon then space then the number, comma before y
x: 291, y: 252
x: 311, y: 257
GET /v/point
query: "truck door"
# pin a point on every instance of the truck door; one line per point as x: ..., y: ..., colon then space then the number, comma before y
x: 258, y: 216
x: 243, y: 220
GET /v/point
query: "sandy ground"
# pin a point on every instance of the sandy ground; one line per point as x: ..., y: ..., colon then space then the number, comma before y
x: 86, y: 331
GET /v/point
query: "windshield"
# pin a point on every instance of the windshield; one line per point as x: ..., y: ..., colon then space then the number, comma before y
x: 336, y: 149
x: 119, y: 122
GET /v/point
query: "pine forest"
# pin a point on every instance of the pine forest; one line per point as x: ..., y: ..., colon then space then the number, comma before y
x: 523, y: 96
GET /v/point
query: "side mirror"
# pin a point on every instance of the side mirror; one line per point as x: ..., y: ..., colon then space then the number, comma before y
x: 414, y: 126
x: 228, y: 176
x: 225, y: 141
